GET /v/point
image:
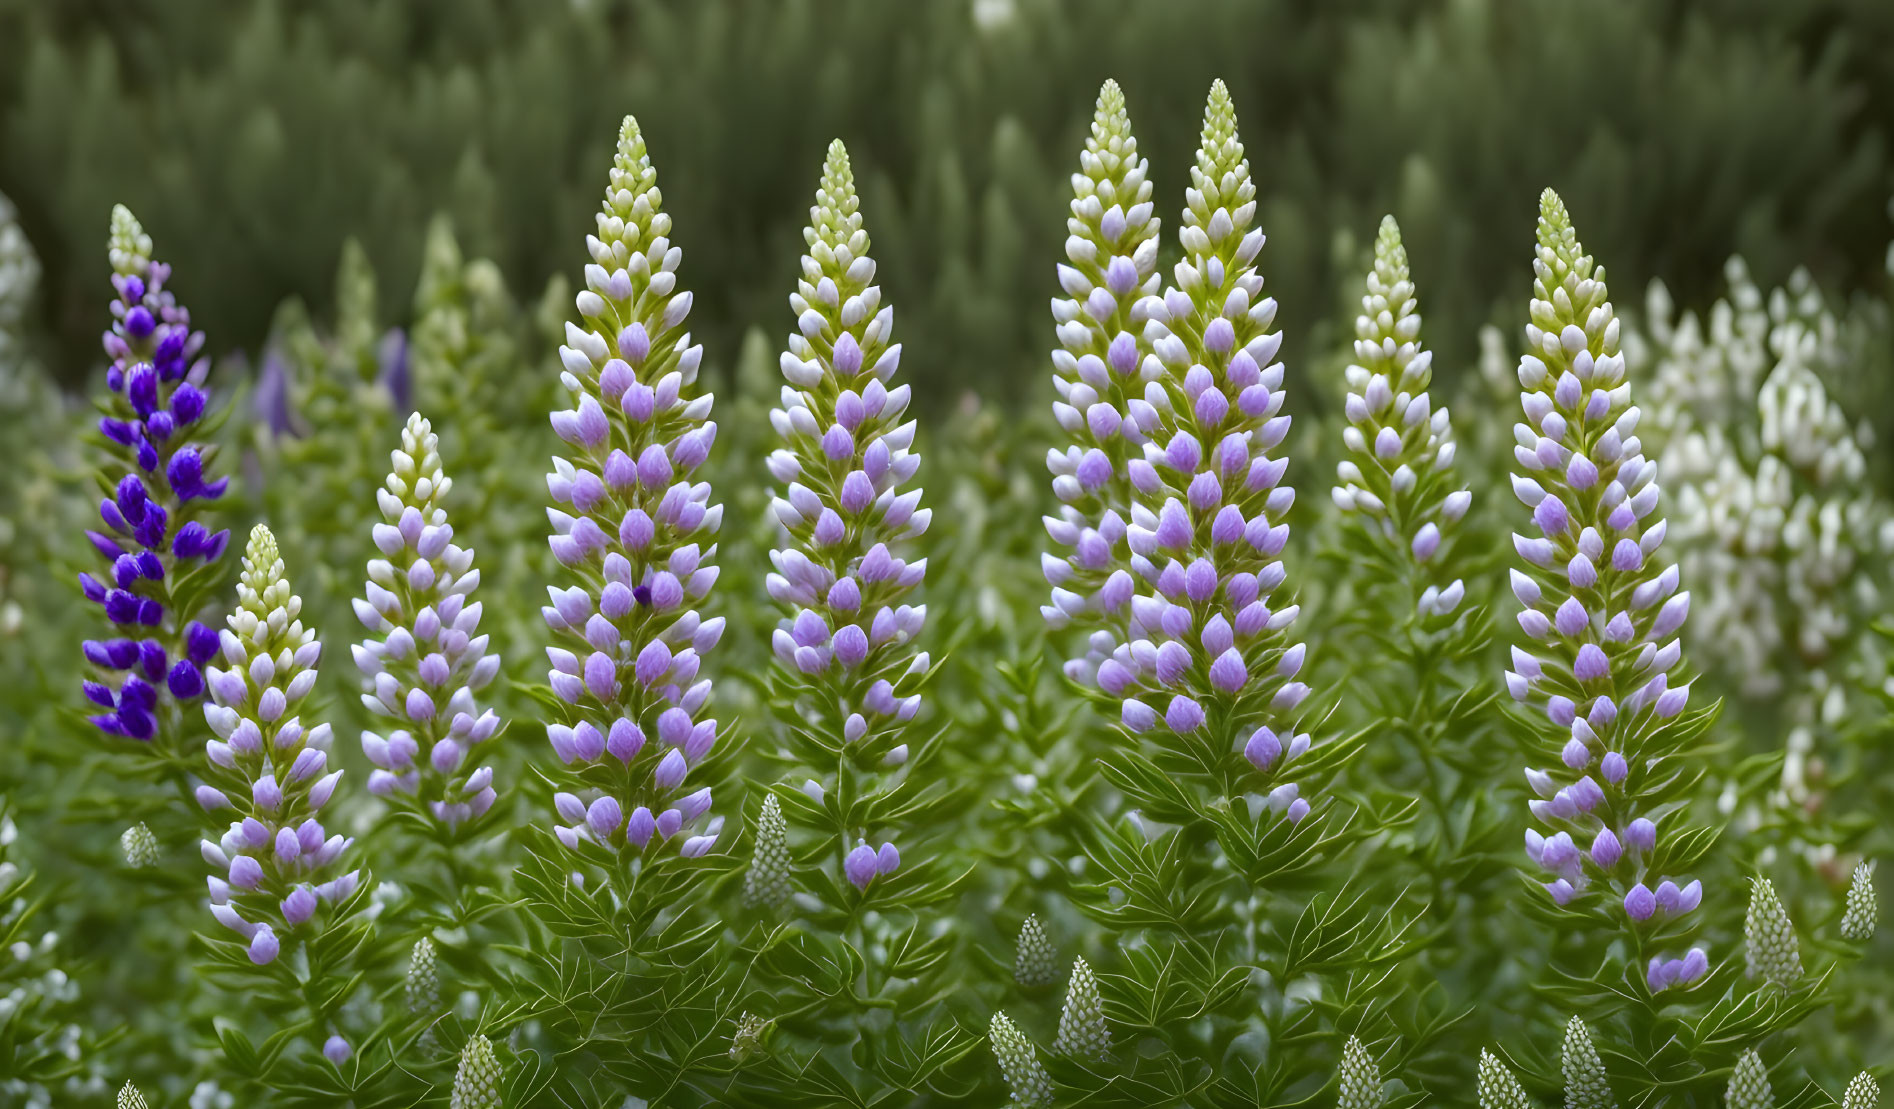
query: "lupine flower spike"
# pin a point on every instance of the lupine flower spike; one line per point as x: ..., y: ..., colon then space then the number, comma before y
x: 1398, y: 478
x: 159, y: 482
x: 1586, y: 1085
x: 139, y: 846
x: 1601, y: 615
x: 425, y: 657
x: 423, y: 986
x: 130, y: 1098
x: 1033, y: 959
x: 1857, y: 918
x: 1360, y: 1078
x: 845, y: 574
x: 1207, y: 668
x: 635, y: 532
x: 767, y: 882
x: 1101, y: 369
x: 1862, y: 1093
x: 477, y: 1081
x: 1769, y: 938
x: 1749, y: 1084
x: 1083, y: 1032
x: 1497, y: 1088
x: 277, y: 866
x: 1019, y: 1062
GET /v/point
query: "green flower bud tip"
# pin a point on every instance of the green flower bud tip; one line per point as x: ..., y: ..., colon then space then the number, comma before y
x: 1019, y: 1062
x: 477, y: 1082
x: 1360, y: 1078
x: 1082, y: 1029
x: 1749, y: 1084
x: 1770, y: 942
x: 1862, y: 1093
x: 1857, y: 920
x: 424, y: 984
x: 747, y: 1041
x: 128, y: 247
x: 1585, y: 1080
x: 1498, y: 1089
x: 140, y: 847
x: 128, y: 1095
x: 767, y: 883
x: 1033, y: 961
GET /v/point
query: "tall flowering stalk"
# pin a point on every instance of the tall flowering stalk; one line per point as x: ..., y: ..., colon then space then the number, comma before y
x: 1398, y: 480
x: 1602, y: 670
x: 1203, y: 663
x: 1101, y: 369
x: 429, y: 659
x: 634, y: 533
x: 844, y: 573
x: 279, y: 873
x: 160, y: 556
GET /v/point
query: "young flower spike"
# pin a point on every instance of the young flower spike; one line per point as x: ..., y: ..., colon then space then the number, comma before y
x: 767, y: 882
x: 153, y: 541
x: 1200, y: 660
x: 1398, y: 479
x: 845, y: 575
x: 1862, y: 1093
x: 635, y: 531
x: 1769, y: 938
x: 130, y: 1098
x: 1586, y: 1085
x: 477, y: 1081
x: 139, y: 846
x: 1603, y: 663
x: 277, y: 865
x: 1857, y: 918
x: 1360, y: 1078
x: 424, y: 984
x: 1019, y: 1062
x: 1083, y: 1032
x: 1749, y: 1084
x: 1033, y: 958
x: 1497, y: 1088
x: 1101, y: 369
x: 424, y: 658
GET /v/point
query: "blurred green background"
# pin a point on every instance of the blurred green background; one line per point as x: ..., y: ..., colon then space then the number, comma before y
x: 254, y: 137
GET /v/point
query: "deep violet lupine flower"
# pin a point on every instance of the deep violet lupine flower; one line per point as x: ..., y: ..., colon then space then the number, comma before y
x: 843, y: 570
x: 1398, y: 479
x: 160, y: 482
x: 425, y: 657
x: 1600, y: 612
x: 1201, y: 661
x: 1100, y: 369
x: 636, y: 535
x: 277, y: 867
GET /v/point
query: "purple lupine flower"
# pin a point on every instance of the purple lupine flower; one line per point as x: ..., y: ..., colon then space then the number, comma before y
x: 1601, y: 673
x: 425, y: 657
x: 637, y: 531
x: 276, y: 864
x: 1398, y: 480
x: 1101, y: 369
x: 150, y: 536
x: 1175, y: 557
x: 845, y: 574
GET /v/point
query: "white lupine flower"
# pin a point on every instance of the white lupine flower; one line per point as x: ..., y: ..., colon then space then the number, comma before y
x: 1083, y: 1032
x: 1497, y: 1088
x: 1360, y: 1078
x: 270, y: 766
x: 477, y: 1080
x: 1019, y: 1062
x: 1857, y: 919
x: 1770, y: 944
x: 425, y: 656
x: 1749, y: 1084
x: 1398, y: 480
x: 1586, y: 1084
